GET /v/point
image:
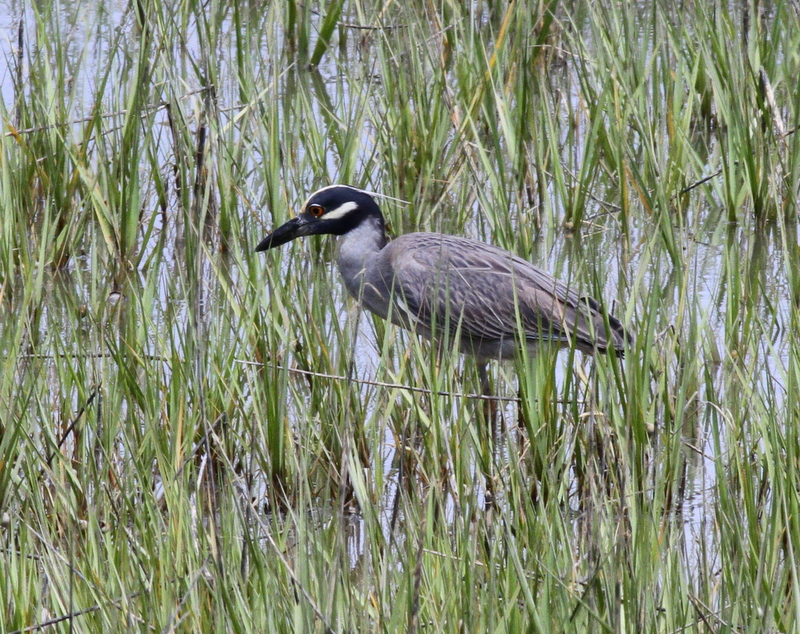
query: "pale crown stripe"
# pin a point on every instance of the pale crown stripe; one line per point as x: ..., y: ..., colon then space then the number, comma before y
x: 355, y: 189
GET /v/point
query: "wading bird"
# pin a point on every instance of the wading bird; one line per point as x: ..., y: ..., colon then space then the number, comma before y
x: 442, y: 286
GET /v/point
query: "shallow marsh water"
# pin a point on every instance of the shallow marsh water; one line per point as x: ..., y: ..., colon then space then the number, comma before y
x: 142, y: 311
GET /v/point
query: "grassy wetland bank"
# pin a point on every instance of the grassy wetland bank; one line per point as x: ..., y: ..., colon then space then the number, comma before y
x: 195, y: 437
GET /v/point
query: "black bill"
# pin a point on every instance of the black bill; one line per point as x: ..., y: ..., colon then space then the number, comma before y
x: 295, y: 228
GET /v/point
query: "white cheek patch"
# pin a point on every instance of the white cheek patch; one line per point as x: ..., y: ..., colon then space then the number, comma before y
x: 341, y: 211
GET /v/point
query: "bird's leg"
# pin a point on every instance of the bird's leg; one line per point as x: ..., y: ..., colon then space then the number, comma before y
x: 522, y: 415
x: 490, y: 414
x: 523, y: 425
x: 490, y: 404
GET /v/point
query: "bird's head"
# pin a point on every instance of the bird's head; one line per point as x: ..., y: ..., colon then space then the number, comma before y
x: 334, y: 210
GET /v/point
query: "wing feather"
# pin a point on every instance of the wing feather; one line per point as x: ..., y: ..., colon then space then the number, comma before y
x: 443, y: 281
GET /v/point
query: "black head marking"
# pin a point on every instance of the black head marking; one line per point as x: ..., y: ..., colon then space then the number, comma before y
x: 343, y: 208
x: 335, y: 210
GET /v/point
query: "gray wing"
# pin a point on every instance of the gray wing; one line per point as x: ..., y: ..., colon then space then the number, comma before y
x: 449, y: 282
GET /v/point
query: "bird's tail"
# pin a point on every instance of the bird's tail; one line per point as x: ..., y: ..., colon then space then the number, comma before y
x: 609, y: 333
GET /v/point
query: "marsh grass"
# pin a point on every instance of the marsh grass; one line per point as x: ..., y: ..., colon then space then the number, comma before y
x: 195, y: 437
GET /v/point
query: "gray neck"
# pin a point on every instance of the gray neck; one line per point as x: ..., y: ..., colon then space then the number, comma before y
x: 356, y: 248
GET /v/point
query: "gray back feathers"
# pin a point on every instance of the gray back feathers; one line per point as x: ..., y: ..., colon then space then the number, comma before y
x: 444, y: 283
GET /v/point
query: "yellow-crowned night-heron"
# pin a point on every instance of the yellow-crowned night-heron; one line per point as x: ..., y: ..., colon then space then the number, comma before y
x: 441, y: 285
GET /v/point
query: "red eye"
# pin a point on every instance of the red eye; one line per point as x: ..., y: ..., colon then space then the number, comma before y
x: 316, y: 210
